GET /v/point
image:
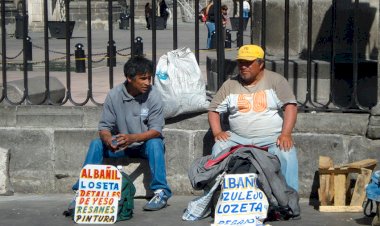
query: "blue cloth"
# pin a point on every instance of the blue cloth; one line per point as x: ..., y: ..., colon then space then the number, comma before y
x: 245, y: 13
x: 153, y: 150
x: 211, y: 29
x: 373, y: 188
x: 288, y: 159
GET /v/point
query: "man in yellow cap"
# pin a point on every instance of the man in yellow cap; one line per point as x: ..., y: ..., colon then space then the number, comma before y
x: 262, y: 110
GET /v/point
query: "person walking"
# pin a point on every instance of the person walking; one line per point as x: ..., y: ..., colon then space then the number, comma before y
x: 148, y: 15
x: 210, y: 23
x: 164, y: 12
x: 225, y: 17
x: 246, y: 9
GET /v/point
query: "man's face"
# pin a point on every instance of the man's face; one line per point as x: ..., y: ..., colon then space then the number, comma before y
x: 140, y: 83
x: 249, y: 70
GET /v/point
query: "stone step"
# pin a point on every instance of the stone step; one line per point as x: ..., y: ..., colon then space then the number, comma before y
x: 59, y: 137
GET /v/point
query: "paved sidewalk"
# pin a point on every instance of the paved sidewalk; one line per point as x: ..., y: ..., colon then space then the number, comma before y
x: 40, y: 210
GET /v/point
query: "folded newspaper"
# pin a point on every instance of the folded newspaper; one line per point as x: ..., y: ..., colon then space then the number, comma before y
x: 199, y: 208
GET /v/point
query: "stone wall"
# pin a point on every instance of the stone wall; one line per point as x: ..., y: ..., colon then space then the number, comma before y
x: 48, y: 145
x: 322, y: 27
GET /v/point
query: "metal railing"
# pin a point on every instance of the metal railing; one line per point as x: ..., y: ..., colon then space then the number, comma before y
x: 353, y: 102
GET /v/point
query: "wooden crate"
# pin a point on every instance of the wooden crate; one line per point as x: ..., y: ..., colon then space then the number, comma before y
x: 334, y: 184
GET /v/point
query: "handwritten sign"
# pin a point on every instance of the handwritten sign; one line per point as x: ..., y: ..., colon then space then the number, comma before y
x: 99, y: 193
x: 241, y: 202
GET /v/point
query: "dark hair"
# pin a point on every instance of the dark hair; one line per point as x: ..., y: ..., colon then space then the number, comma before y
x: 138, y: 65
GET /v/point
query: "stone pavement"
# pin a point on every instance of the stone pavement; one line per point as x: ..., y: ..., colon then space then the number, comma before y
x: 41, y: 210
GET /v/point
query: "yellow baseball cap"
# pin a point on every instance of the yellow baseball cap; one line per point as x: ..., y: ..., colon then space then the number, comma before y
x: 250, y: 53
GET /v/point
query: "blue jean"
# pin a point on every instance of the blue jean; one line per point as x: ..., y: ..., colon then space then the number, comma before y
x: 245, y: 13
x: 288, y: 159
x: 210, y: 29
x: 153, y: 150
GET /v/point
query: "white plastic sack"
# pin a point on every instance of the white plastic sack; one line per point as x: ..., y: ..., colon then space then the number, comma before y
x: 178, y: 78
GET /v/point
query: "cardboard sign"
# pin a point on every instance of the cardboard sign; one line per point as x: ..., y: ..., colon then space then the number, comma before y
x: 99, y: 193
x: 241, y: 202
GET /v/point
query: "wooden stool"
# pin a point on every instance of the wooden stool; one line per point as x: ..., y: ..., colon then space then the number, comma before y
x: 333, y: 184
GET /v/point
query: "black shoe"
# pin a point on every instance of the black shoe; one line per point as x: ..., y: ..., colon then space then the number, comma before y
x: 71, y: 208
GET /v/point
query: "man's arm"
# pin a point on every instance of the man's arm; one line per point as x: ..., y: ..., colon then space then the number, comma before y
x: 216, y: 128
x: 124, y: 140
x: 285, y: 140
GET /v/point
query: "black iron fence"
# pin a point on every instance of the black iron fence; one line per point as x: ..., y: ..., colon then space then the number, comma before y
x: 325, y: 75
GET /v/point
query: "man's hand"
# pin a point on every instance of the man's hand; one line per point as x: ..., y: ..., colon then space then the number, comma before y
x: 124, y: 140
x: 216, y: 128
x: 285, y: 142
x: 222, y: 136
x: 111, y: 143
